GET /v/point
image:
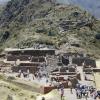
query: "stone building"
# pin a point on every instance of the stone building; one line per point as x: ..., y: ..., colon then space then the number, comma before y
x: 27, y: 59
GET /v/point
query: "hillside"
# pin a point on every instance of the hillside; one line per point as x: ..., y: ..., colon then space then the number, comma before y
x: 25, y: 23
x: 93, y: 6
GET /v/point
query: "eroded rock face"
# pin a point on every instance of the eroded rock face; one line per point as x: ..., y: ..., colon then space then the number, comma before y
x: 26, y: 9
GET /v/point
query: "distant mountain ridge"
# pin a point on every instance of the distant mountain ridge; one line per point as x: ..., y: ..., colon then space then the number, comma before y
x: 93, y: 6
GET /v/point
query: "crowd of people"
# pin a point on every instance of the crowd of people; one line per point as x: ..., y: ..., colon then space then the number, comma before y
x: 82, y: 91
x: 86, y: 91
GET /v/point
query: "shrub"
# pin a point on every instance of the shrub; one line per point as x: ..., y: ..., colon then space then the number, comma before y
x: 62, y: 41
x: 1, y: 77
x: 41, y: 30
x: 6, y: 35
x: 52, y: 32
x: 45, y: 40
x: 1, y: 49
x: 14, y: 89
x: 97, y: 36
x: 32, y: 96
x: 11, y: 78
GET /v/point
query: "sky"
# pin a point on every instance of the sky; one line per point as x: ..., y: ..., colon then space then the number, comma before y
x: 3, y: 1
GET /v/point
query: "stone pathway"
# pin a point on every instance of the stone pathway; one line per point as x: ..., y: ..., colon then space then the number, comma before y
x: 69, y: 96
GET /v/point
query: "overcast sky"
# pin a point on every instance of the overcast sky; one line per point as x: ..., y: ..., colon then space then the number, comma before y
x: 3, y: 1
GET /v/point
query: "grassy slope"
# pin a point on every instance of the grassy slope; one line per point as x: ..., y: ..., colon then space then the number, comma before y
x: 15, y: 90
x: 19, y: 91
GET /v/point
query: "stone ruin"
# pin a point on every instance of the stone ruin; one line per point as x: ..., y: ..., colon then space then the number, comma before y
x: 46, y: 63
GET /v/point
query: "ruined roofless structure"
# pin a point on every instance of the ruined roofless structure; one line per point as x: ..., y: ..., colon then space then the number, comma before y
x: 28, y: 58
x: 78, y: 59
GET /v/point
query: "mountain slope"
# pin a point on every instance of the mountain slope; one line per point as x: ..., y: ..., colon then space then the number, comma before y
x: 26, y: 23
x: 93, y: 6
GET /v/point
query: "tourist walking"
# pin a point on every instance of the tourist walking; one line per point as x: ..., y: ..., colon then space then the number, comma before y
x: 70, y: 85
x: 62, y: 90
x: 62, y: 93
x: 78, y: 94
